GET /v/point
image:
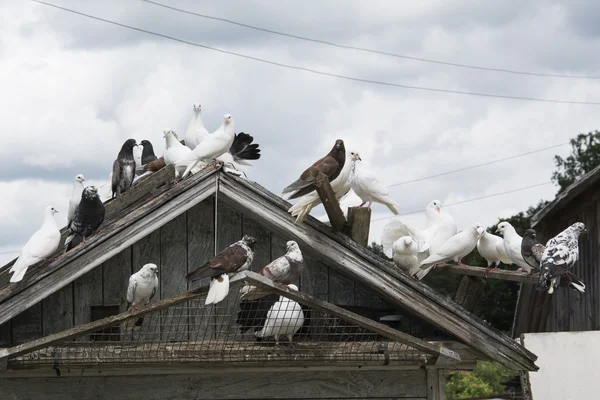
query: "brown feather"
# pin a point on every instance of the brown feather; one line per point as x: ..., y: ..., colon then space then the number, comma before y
x: 228, y: 260
x: 155, y: 165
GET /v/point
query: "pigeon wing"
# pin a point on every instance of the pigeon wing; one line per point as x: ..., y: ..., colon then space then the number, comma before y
x: 228, y: 260
x: 304, y: 185
x: 116, y: 174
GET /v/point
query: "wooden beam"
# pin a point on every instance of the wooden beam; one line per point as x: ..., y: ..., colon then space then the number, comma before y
x: 349, y: 316
x: 122, y: 233
x: 330, y: 203
x: 501, y: 274
x: 436, y: 384
x: 361, y: 264
x: 469, y: 291
x: 359, y: 220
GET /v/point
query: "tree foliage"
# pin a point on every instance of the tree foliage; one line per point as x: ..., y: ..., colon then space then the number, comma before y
x: 488, y: 378
x: 585, y: 156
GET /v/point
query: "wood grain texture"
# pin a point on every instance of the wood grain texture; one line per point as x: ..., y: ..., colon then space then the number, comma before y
x: 363, y: 265
x: 266, y: 385
x: 341, y: 289
x: 330, y: 203
x: 27, y: 326
x: 359, y: 220
x: 436, y: 384
x: 469, y: 292
x: 115, y: 279
x: 87, y: 292
x: 5, y: 334
x: 501, y: 274
x: 57, y: 311
x: 263, y: 253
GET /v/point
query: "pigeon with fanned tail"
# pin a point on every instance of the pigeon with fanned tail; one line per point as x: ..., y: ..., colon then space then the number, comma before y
x: 341, y: 185
x: 366, y: 186
x: 512, y: 246
x: 235, y: 258
x: 141, y: 289
x: 559, y: 257
x: 123, y: 169
x: 491, y: 247
x: 39, y: 247
x: 196, y: 132
x: 241, y: 152
x: 75, y: 196
x: 88, y: 216
x: 330, y: 165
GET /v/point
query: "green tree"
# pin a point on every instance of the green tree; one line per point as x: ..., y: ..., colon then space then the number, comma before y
x: 488, y: 378
x: 585, y: 156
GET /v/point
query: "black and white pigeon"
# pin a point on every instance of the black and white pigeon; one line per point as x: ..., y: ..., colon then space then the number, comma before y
x: 240, y: 153
x: 560, y: 255
x: 123, y: 168
x: 237, y: 257
x: 88, y: 216
x: 331, y: 165
x: 285, y: 270
x: 142, y: 288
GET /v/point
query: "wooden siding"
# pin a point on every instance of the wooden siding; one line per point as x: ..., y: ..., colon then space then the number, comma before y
x: 180, y: 246
x: 567, y: 309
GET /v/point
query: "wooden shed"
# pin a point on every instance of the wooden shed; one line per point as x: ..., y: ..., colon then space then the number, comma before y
x: 370, y: 330
x: 567, y: 309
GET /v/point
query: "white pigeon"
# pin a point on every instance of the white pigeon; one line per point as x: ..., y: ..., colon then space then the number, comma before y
x: 285, y: 318
x: 212, y: 146
x: 341, y: 185
x: 75, y: 196
x: 196, y: 132
x: 366, y: 186
x: 137, y: 155
x: 440, y: 227
x: 404, y: 254
x: 512, y: 245
x: 454, y: 249
x: 40, y: 246
x: 491, y: 247
x: 142, y: 288
x: 175, y: 151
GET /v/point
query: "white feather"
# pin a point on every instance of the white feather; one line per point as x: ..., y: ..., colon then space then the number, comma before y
x: 218, y: 290
x: 366, y: 186
x: 196, y: 132
x: 75, y: 196
x: 284, y: 318
x: 512, y: 245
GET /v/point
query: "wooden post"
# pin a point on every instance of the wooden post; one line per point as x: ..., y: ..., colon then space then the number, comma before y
x: 332, y: 207
x: 469, y: 291
x: 359, y: 221
x: 436, y: 384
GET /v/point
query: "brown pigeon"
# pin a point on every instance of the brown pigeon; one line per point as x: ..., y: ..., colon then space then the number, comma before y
x: 331, y: 165
x: 237, y: 257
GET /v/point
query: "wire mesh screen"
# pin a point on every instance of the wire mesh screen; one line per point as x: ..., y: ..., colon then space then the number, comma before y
x: 264, y: 330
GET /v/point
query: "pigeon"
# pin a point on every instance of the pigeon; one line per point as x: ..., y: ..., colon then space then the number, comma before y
x: 196, y: 132
x: 285, y: 270
x: 123, y: 168
x: 368, y: 188
x: 75, y: 196
x: 404, y: 255
x: 147, y: 152
x: 341, y: 185
x: 454, y: 249
x: 560, y: 255
x: 284, y: 318
x: 237, y: 257
x: 512, y: 245
x: 240, y: 153
x: 175, y: 153
x: 330, y: 165
x: 440, y: 227
x: 213, y: 145
x: 142, y: 288
x: 491, y: 247
x: 39, y: 247
x: 89, y: 215
x: 532, y: 250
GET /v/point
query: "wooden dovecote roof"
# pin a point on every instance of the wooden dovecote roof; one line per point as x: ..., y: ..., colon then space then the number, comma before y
x: 160, y: 205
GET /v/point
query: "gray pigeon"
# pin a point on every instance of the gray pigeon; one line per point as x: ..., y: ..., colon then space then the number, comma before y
x: 123, y: 168
x: 88, y: 216
x: 532, y: 250
x: 560, y: 255
x: 147, y: 152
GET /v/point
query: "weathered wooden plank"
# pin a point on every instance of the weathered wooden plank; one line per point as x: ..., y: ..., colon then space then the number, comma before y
x: 123, y: 233
x: 405, y: 385
x: 174, y: 268
x: 502, y: 274
x: 5, y: 334
x: 87, y: 292
x: 314, y: 279
x: 359, y: 220
x: 57, y: 311
x: 363, y: 265
x: 264, y: 252
x: 27, y: 325
x: 115, y: 279
x: 365, y: 297
x: 146, y: 250
x: 330, y: 203
x: 201, y: 249
x: 341, y: 289
x: 436, y: 384
x: 469, y: 291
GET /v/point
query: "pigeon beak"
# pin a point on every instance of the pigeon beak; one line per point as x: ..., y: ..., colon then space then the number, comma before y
x: 497, y: 230
x: 359, y: 159
x: 437, y: 208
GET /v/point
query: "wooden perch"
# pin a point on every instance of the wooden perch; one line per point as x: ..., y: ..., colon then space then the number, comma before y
x: 501, y: 274
x: 359, y: 221
x: 330, y: 202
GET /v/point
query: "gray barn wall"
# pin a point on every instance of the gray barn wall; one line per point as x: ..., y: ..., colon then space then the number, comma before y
x: 179, y: 247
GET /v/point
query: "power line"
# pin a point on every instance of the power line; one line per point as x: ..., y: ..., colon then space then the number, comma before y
x: 478, y: 165
x: 342, y: 46
x: 10, y: 252
x: 471, y: 200
x: 295, y: 67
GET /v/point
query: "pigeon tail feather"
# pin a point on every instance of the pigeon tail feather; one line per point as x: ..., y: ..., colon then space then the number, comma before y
x: 421, y: 273
x: 18, y: 275
x: 393, y: 208
x: 218, y: 290
x: 243, y: 149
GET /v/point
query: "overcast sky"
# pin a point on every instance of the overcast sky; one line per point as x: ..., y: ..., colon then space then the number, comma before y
x: 73, y: 89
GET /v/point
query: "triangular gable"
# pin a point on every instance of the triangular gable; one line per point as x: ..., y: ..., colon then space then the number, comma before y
x: 182, y: 329
x: 335, y: 249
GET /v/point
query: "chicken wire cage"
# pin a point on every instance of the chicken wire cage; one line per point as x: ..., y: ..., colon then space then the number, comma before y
x: 262, y: 331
